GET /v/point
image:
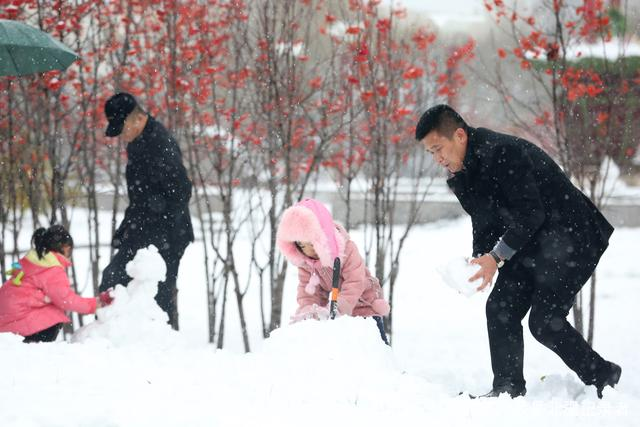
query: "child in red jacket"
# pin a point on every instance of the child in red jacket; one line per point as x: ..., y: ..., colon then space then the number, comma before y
x: 34, y: 300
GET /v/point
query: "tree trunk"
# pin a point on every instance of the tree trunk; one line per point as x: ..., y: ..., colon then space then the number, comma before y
x: 223, y: 313
x: 592, y: 309
x: 577, y: 314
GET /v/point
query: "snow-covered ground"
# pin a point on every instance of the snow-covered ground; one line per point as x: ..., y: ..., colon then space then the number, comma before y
x: 320, y: 373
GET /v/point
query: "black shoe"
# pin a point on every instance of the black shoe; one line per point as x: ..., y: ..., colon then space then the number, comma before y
x: 512, y: 391
x: 610, y: 379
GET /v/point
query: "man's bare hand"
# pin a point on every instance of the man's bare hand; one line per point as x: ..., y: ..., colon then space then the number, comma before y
x: 488, y: 268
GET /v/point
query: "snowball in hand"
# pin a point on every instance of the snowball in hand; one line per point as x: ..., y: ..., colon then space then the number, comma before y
x: 456, y: 274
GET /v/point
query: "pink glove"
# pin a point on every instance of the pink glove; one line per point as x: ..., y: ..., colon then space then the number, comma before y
x: 313, y: 311
x: 105, y: 298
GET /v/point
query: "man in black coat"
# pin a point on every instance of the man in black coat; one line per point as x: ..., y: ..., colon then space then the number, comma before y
x: 159, y: 192
x: 532, y: 223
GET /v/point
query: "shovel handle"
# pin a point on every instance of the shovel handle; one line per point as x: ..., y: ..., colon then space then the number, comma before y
x: 335, y: 289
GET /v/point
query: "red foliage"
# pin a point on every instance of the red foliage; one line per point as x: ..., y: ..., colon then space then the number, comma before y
x: 544, y: 119
x: 452, y: 80
x: 413, y: 73
x: 353, y: 30
x: 595, y: 19
x: 580, y: 83
x: 316, y: 82
x: 383, y: 25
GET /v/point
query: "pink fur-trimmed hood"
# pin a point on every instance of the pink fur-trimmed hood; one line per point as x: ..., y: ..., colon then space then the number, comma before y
x: 360, y: 292
x: 310, y: 221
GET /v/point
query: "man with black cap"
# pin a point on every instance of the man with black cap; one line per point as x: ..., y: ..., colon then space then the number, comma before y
x: 537, y: 229
x: 159, y: 192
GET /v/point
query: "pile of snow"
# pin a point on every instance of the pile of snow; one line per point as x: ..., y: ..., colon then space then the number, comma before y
x: 341, y: 357
x: 456, y: 273
x: 319, y: 373
x: 134, y: 317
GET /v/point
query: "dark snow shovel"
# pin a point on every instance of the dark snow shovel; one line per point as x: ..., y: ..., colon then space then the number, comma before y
x: 335, y: 289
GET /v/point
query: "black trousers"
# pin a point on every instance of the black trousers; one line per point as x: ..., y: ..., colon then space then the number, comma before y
x: 167, y: 297
x: 516, y: 291
x: 380, y: 324
x: 47, y: 335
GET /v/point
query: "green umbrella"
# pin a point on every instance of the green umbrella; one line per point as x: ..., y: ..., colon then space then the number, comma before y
x: 27, y: 50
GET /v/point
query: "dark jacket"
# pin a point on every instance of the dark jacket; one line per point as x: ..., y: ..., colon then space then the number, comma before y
x: 513, y: 190
x: 159, y: 192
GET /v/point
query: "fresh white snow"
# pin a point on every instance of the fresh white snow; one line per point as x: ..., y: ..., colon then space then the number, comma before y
x: 129, y: 369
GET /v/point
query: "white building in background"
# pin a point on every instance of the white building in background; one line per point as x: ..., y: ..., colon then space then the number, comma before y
x: 447, y: 15
x: 611, y: 50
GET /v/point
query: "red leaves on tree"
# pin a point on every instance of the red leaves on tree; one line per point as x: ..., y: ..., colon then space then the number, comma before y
x: 366, y: 96
x: 544, y: 119
x: 400, y: 13
x: 383, y: 25
x: 402, y: 111
x: 214, y: 70
x: 580, y: 83
x: 452, y: 80
x: 423, y: 39
x: 630, y: 152
x: 413, y: 73
x: 12, y: 11
x: 353, y: 30
x: 602, y: 117
x: 595, y: 20
x: 54, y: 84
x: 316, y: 82
x: 461, y: 54
x: 362, y: 53
x: 382, y: 89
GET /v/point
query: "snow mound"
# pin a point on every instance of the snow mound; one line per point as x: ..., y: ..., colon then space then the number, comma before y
x: 134, y: 317
x: 340, y: 358
x: 346, y: 340
x: 7, y: 339
x: 456, y: 273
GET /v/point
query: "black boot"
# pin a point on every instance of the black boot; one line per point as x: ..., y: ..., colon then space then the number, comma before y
x: 609, y: 378
x: 511, y: 390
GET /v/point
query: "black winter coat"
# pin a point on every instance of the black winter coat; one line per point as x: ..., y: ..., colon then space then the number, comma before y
x: 513, y: 190
x: 159, y: 192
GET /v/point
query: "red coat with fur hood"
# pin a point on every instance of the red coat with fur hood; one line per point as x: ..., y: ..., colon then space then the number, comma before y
x: 360, y: 292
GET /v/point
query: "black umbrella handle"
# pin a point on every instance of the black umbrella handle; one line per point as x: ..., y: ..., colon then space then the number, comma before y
x: 335, y: 289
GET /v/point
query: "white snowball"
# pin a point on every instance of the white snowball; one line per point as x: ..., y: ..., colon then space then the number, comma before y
x: 456, y: 273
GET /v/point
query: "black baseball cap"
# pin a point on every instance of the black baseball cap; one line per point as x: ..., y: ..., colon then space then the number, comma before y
x: 117, y: 108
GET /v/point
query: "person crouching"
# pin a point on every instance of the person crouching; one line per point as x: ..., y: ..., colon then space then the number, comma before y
x: 309, y: 238
x: 34, y: 299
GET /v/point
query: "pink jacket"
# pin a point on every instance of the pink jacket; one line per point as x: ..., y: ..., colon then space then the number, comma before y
x: 360, y: 292
x: 39, y: 299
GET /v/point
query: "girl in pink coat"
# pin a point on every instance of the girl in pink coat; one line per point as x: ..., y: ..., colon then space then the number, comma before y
x: 34, y: 300
x: 310, y: 240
